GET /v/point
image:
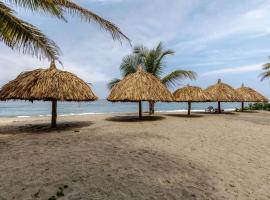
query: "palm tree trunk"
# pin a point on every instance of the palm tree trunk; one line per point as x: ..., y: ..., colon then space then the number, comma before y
x: 189, y: 108
x: 151, y: 107
x: 140, y: 109
x: 243, y: 105
x: 54, y: 114
x: 219, y: 107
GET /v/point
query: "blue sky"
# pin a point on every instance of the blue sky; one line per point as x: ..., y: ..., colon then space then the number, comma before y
x: 224, y: 39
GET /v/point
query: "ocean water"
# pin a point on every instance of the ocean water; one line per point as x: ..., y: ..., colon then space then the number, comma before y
x: 40, y: 108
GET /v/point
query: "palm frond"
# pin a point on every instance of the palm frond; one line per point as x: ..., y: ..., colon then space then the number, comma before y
x: 173, y: 78
x: 59, y: 7
x: 165, y: 53
x: 89, y: 16
x: 266, y: 66
x: 160, y: 60
x: 159, y: 48
x: 155, y: 61
x: 265, y: 75
x: 25, y: 37
x: 113, y: 82
x: 151, y: 65
x: 140, y: 50
x: 129, y: 64
x: 45, y: 6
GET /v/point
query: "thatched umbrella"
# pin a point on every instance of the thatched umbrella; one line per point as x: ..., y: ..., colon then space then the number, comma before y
x: 222, y: 92
x: 47, y: 85
x: 250, y: 95
x: 140, y: 86
x: 190, y: 94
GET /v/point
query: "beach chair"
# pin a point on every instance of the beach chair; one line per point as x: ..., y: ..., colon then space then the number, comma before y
x: 210, y: 109
x: 216, y: 110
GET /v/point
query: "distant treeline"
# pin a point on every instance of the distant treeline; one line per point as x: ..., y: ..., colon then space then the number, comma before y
x: 258, y: 106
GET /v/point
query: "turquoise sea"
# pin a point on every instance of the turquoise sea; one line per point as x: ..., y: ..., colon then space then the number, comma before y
x: 39, y: 108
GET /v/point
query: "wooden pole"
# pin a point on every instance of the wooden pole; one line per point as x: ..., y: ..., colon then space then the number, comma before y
x: 219, y: 107
x: 140, y: 109
x: 189, y: 108
x: 243, y: 105
x: 54, y: 114
x: 151, y: 107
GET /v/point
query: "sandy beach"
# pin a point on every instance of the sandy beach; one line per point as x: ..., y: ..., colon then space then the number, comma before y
x: 170, y: 156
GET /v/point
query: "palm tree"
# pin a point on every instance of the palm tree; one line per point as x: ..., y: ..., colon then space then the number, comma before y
x: 20, y: 35
x: 266, y: 73
x: 153, y: 62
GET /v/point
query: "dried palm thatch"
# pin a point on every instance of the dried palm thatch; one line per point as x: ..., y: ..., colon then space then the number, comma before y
x: 140, y: 86
x: 250, y: 95
x: 47, y: 85
x: 222, y: 92
x: 190, y: 94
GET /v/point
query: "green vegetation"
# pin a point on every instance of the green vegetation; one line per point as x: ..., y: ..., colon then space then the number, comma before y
x: 153, y: 62
x: 59, y: 193
x: 266, y: 72
x: 258, y: 106
x: 52, y: 198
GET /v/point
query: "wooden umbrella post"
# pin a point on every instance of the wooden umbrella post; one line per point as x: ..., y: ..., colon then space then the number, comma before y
x: 151, y: 107
x: 140, y: 109
x: 189, y: 108
x: 149, y: 104
x: 54, y: 114
x: 219, y: 107
x: 243, y: 105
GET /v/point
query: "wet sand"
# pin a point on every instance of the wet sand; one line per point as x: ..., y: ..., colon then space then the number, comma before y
x: 170, y: 156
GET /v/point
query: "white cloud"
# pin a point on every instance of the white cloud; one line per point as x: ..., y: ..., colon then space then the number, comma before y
x: 214, y: 28
x: 234, y: 70
x: 13, y: 64
x: 256, y: 14
x: 189, y: 27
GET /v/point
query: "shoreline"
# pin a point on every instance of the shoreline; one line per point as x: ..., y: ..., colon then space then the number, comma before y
x: 110, y: 113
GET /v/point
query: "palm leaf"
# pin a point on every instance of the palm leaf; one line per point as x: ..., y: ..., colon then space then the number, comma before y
x: 140, y: 50
x: 265, y: 75
x: 173, y: 78
x: 45, y: 6
x: 266, y: 66
x: 159, y: 48
x: 113, y: 82
x: 57, y: 7
x: 165, y: 53
x: 151, y: 64
x: 155, y: 60
x: 129, y: 64
x: 25, y: 37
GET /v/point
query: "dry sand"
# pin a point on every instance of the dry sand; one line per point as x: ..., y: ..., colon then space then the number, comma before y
x: 208, y: 156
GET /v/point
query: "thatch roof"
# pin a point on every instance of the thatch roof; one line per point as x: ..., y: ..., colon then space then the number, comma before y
x: 191, y: 94
x: 250, y: 95
x: 140, y: 86
x: 47, y: 85
x: 222, y: 92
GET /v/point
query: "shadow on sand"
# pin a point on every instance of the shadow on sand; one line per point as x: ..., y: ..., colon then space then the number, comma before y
x: 134, y: 118
x: 216, y: 113
x: 249, y: 111
x: 108, y: 167
x: 184, y: 115
x: 42, y: 127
